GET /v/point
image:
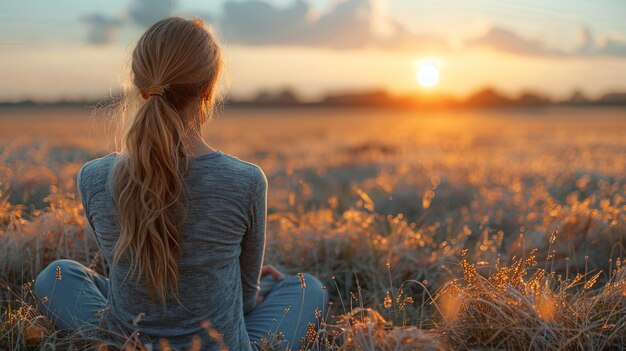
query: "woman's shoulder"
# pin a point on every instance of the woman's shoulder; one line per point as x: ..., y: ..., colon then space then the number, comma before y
x: 98, y: 164
x: 240, y: 171
x: 229, y: 163
x: 99, y: 161
x: 244, y: 166
x: 93, y: 172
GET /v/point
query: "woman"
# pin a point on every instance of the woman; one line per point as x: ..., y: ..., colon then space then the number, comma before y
x: 181, y: 226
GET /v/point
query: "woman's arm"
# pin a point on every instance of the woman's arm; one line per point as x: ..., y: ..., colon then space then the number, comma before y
x: 253, y: 246
x: 84, y: 198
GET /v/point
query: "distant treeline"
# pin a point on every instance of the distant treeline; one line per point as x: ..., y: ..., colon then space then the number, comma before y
x: 487, y: 97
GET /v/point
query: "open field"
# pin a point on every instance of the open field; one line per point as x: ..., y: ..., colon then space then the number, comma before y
x: 474, y: 229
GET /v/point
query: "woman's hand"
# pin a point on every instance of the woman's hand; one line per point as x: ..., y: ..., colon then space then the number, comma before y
x: 269, y: 269
x: 275, y: 273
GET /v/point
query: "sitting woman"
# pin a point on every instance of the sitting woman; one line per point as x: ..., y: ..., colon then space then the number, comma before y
x: 180, y: 225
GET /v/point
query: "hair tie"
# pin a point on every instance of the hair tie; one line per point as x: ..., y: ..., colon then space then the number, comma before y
x: 156, y: 89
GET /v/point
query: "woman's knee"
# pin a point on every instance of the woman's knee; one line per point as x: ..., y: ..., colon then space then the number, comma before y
x: 310, y: 281
x: 53, y: 272
x: 314, y: 288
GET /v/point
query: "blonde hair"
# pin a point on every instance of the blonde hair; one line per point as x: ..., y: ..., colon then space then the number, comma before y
x: 182, y: 58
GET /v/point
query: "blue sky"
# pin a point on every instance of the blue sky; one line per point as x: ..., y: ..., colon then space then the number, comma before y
x: 77, y: 48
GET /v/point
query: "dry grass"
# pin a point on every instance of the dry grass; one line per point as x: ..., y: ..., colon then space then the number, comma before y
x: 523, y: 307
x: 468, y: 231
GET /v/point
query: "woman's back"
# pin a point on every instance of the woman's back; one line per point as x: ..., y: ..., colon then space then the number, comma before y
x: 183, y: 235
x: 223, y: 231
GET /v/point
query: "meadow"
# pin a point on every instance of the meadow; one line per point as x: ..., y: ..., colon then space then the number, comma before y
x: 432, y: 230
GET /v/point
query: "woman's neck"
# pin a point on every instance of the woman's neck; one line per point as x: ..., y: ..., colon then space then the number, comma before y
x: 199, y: 150
x: 194, y: 141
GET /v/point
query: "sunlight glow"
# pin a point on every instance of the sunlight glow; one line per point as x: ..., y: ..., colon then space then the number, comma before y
x: 427, y: 75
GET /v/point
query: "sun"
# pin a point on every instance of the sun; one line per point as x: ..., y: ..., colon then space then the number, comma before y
x: 427, y: 75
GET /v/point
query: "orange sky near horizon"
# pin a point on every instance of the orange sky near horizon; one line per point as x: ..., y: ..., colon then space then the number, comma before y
x: 312, y: 72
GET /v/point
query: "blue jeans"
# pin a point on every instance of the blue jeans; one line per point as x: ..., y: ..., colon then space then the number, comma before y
x: 76, y: 299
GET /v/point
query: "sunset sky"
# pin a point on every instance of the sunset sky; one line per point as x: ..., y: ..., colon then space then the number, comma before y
x: 77, y: 49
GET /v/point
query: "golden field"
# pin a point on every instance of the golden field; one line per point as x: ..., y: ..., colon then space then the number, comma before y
x: 440, y: 230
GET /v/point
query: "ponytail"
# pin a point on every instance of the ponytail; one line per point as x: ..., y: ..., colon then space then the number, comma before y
x: 149, y: 187
x: 148, y: 201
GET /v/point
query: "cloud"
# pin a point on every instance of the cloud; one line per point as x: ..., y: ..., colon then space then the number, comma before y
x: 613, y: 47
x: 102, y: 29
x: 504, y: 40
x: 146, y: 12
x: 349, y: 24
x: 585, y: 38
x: 260, y: 23
x: 607, y: 46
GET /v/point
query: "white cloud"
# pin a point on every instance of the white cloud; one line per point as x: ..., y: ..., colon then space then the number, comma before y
x: 101, y: 29
x: 146, y: 12
x: 505, y: 40
x: 349, y: 24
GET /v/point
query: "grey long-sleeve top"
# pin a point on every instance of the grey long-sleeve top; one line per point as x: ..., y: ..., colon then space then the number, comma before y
x: 223, y: 243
